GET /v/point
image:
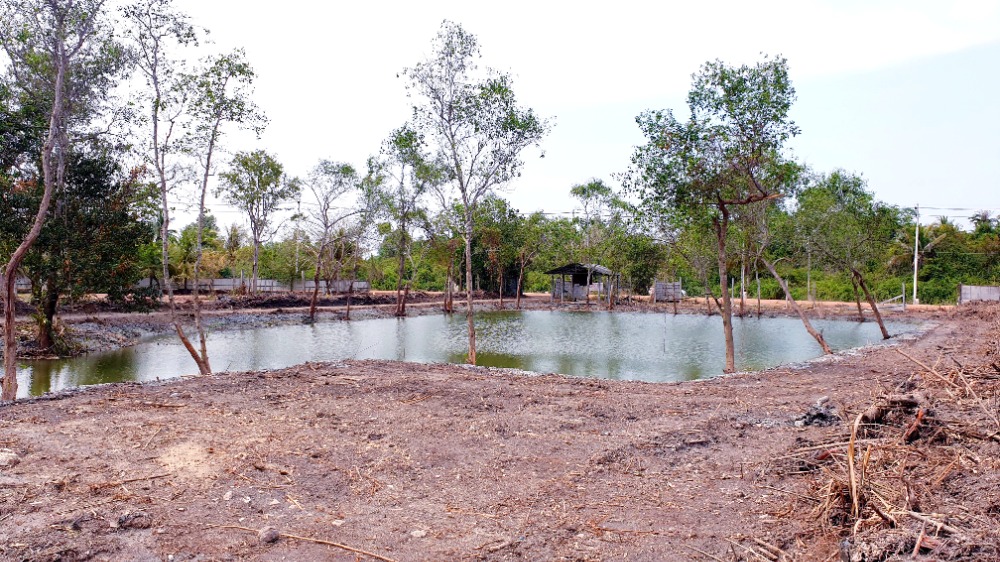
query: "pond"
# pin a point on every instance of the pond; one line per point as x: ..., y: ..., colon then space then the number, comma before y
x: 637, y: 346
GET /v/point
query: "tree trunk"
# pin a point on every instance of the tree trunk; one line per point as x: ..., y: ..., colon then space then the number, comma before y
x: 721, y: 230
x: 204, y: 367
x: 315, y: 293
x: 708, y: 300
x: 449, y: 281
x: 788, y: 295
x: 500, y: 282
x: 400, y: 295
x: 857, y: 298
x: 51, y: 177
x: 468, y: 283
x: 46, y: 321
x: 255, y: 270
x: 350, y: 291
x: 871, y: 302
x: 756, y: 275
x: 520, y: 286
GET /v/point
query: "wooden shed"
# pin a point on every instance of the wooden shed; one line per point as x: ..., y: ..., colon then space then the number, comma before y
x: 569, y: 282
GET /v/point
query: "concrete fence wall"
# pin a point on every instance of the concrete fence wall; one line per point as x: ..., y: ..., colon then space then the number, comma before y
x: 271, y: 285
x: 970, y: 293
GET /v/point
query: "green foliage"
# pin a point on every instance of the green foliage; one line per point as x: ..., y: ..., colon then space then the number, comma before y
x: 728, y: 153
x: 91, y: 239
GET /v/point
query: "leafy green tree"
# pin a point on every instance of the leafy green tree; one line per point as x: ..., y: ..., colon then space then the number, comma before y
x: 531, y: 237
x: 474, y: 127
x: 841, y: 221
x: 498, y: 226
x: 726, y: 156
x: 402, y: 176
x: 256, y: 183
x: 64, y: 57
x: 90, y: 240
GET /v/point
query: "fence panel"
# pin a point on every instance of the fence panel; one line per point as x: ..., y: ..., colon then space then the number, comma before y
x: 970, y: 293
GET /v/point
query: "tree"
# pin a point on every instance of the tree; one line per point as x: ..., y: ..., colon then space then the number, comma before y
x: 597, y: 199
x: 497, y: 223
x: 755, y: 226
x: 90, y: 239
x: 726, y: 156
x: 402, y: 176
x: 257, y: 184
x: 155, y: 29
x: 474, y: 128
x: 64, y: 51
x: 531, y: 237
x: 219, y: 95
x: 842, y: 221
x: 329, y: 183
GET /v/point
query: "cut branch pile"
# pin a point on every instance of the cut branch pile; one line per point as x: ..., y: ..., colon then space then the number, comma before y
x: 915, y: 475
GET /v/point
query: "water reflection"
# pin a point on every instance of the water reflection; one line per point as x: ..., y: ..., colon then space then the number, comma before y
x: 651, y: 347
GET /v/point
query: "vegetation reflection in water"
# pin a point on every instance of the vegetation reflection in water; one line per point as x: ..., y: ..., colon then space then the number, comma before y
x: 649, y: 347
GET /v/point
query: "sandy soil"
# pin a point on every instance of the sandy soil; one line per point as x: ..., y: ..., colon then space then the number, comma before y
x: 393, y: 461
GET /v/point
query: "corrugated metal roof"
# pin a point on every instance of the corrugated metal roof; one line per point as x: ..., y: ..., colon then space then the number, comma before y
x: 580, y: 269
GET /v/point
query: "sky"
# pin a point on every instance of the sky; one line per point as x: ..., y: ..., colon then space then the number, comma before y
x: 902, y: 92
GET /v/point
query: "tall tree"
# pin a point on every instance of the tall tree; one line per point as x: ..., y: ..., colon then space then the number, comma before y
x: 474, y: 127
x: 727, y: 155
x: 330, y: 184
x: 156, y: 30
x: 596, y: 197
x: 405, y: 175
x: 256, y: 183
x: 531, y: 237
x: 64, y: 51
x: 220, y: 95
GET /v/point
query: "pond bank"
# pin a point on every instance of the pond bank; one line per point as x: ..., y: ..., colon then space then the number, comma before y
x: 445, y: 462
x: 102, y: 330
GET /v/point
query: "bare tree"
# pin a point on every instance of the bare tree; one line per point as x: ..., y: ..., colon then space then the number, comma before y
x: 329, y: 182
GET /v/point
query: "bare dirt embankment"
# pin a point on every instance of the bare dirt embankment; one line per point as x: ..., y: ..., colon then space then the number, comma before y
x: 394, y: 461
x: 92, y: 327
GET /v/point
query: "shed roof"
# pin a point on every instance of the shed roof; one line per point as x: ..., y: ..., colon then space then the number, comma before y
x: 580, y: 269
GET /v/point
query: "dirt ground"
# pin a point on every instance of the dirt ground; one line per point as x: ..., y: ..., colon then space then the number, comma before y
x: 870, y: 456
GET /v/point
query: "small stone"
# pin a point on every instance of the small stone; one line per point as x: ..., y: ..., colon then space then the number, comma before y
x: 268, y: 535
x: 418, y: 534
x: 228, y: 495
x: 8, y: 458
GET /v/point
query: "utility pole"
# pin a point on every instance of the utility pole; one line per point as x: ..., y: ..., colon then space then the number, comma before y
x: 916, y: 255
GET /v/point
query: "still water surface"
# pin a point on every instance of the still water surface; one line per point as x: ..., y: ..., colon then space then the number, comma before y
x: 649, y: 347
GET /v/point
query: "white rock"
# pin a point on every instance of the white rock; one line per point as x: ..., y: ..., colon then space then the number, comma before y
x: 8, y: 458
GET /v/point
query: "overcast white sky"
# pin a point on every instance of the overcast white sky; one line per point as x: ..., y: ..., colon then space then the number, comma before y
x: 904, y: 92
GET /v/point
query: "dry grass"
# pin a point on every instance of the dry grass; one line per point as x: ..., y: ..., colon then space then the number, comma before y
x: 912, y: 476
